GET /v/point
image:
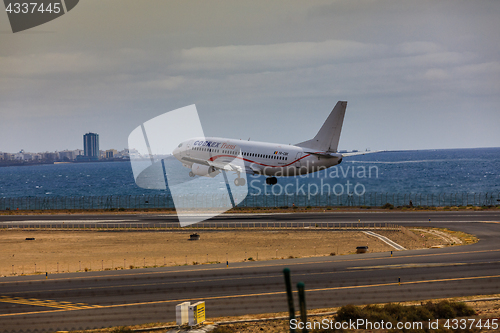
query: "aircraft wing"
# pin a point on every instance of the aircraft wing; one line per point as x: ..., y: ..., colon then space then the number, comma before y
x: 362, y: 153
x: 217, y: 165
x: 252, y: 170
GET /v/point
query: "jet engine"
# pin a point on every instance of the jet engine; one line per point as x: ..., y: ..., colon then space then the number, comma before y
x: 204, y: 170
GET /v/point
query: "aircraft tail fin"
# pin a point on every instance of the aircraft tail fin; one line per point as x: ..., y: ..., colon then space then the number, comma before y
x: 328, y: 136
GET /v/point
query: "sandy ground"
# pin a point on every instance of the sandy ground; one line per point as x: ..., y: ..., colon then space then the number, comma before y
x: 484, y: 310
x: 70, y: 251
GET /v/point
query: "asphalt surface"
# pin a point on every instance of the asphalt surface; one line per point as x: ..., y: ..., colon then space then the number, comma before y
x: 110, y: 298
x: 397, y: 216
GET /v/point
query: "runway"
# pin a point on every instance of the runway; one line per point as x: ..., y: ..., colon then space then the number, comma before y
x: 109, y: 298
x: 369, y: 216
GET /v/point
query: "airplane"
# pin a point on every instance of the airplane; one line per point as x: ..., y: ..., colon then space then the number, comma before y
x: 209, y: 156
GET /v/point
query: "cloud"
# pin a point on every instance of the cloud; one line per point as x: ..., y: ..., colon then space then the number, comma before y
x: 51, y: 63
x: 273, y: 57
x: 256, y: 63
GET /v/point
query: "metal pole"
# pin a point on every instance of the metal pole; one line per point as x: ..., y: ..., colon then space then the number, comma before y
x: 289, y: 296
x: 302, y: 305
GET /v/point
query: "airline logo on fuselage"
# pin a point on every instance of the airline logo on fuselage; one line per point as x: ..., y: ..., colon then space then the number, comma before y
x: 213, y: 144
x: 282, y: 153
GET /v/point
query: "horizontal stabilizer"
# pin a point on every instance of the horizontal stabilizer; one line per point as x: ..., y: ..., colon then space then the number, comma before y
x: 327, y: 155
x: 362, y: 153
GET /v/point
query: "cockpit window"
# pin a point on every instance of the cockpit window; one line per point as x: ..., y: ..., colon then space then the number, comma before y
x: 180, y: 145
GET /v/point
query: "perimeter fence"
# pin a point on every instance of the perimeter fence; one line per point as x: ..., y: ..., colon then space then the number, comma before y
x: 371, y: 199
x: 227, y: 226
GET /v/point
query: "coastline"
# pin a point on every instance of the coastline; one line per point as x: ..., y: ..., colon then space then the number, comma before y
x: 16, y: 164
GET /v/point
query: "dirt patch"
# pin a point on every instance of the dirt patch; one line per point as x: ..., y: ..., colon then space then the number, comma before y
x: 71, y: 251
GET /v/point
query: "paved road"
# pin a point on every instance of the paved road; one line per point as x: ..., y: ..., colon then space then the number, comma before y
x: 413, y: 217
x: 98, y: 299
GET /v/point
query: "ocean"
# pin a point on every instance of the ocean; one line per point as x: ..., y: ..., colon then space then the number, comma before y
x: 396, y: 172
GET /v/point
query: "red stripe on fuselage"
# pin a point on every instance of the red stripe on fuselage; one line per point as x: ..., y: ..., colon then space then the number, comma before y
x: 213, y: 158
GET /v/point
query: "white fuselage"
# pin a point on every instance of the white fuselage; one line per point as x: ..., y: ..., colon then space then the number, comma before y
x: 263, y: 158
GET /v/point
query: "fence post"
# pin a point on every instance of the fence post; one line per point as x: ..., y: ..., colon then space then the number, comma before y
x: 302, y: 305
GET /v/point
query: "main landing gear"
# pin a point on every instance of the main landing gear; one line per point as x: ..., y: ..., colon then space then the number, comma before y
x: 191, y: 174
x: 240, y: 181
x: 271, y: 180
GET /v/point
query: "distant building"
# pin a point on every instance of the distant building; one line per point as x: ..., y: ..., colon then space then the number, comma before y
x: 91, y: 146
x: 49, y: 156
x: 111, y: 153
x: 67, y: 155
x: 122, y: 154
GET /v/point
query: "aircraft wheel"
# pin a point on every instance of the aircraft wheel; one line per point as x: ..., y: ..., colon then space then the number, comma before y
x: 191, y: 174
x: 271, y: 180
x: 240, y: 182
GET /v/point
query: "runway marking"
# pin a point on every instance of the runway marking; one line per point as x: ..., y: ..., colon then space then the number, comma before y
x: 400, y: 266
x: 227, y: 215
x: 346, y: 270
x: 274, y: 264
x: 46, y: 303
x: 255, y: 295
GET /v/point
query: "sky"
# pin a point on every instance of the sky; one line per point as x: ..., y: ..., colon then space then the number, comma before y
x: 416, y: 74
